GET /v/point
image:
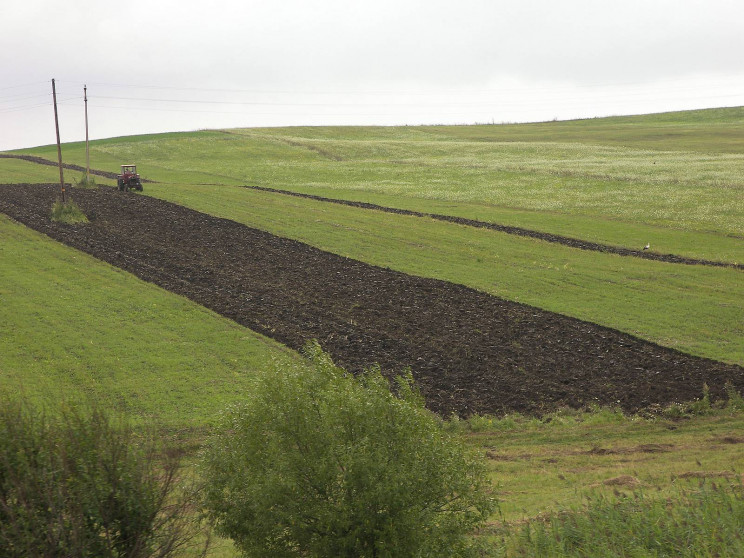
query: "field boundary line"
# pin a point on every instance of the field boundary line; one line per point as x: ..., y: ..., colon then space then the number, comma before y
x: 513, y: 230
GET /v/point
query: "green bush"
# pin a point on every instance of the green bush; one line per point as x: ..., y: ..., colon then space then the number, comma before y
x: 68, y: 212
x: 80, y: 484
x: 316, y: 462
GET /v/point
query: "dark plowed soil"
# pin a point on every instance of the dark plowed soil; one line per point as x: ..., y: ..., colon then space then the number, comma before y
x: 469, y: 351
x: 519, y: 231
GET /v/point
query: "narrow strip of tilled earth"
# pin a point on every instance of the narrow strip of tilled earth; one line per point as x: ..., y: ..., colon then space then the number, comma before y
x: 469, y: 351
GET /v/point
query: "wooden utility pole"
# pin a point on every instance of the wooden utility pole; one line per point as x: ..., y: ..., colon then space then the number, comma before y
x: 87, y: 150
x: 59, y: 147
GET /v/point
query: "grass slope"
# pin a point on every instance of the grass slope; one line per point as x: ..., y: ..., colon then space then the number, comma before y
x: 16, y: 171
x: 73, y: 327
x: 705, y: 131
x: 540, y: 467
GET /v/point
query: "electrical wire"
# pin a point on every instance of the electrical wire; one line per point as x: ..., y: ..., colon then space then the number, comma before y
x: 49, y: 103
x: 494, y: 102
x: 718, y: 83
x: 24, y: 85
x: 476, y: 107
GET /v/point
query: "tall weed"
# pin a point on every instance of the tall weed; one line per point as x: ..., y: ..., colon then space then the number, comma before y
x: 702, y: 521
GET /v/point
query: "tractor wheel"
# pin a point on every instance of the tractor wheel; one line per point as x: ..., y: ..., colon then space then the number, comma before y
x: 138, y: 186
x: 120, y: 183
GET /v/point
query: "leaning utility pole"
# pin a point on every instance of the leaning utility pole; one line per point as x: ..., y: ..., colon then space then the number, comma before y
x: 87, y: 151
x: 59, y: 148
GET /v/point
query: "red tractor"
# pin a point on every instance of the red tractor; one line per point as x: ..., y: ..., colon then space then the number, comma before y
x: 129, y: 179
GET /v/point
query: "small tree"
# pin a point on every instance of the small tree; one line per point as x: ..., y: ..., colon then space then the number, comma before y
x: 316, y: 462
x: 84, y: 485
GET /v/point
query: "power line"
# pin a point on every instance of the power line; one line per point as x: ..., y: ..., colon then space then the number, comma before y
x: 26, y: 107
x: 431, y: 92
x: 507, y: 105
x: 496, y: 101
x: 24, y: 85
x: 12, y: 98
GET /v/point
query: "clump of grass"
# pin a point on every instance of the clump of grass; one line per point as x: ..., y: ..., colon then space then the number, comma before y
x: 699, y: 407
x: 596, y: 414
x: 593, y: 414
x: 86, y: 181
x: 565, y: 416
x: 702, y: 521
x: 489, y: 423
x: 735, y: 400
x: 68, y: 212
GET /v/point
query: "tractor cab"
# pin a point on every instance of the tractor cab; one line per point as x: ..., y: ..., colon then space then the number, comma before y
x: 129, y: 179
x: 128, y: 169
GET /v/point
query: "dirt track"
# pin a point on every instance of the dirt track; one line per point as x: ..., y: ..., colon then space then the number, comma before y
x: 469, y: 351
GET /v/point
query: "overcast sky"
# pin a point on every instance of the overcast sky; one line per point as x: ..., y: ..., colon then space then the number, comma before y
x: 172, y: 65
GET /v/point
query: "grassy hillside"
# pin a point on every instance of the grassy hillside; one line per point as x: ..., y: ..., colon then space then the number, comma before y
x: 76, y: 328
x: 600, y: 182
x: 15, y: 171
x: 704, y: 131
x: 572, y: 178
x: 543, y: 466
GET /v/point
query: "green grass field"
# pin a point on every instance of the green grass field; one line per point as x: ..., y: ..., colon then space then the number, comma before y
x: 79, y: 329
x: 614, y: 175
x: 15, y: 171
x: 75, y: 328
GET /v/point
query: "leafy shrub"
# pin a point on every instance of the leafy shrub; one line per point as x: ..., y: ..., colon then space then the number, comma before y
x: 68, y: 212
x: 82, y: 485
x: 316, y: 462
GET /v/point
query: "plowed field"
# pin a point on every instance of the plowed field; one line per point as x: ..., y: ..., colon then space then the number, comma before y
x: 469, y: 351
